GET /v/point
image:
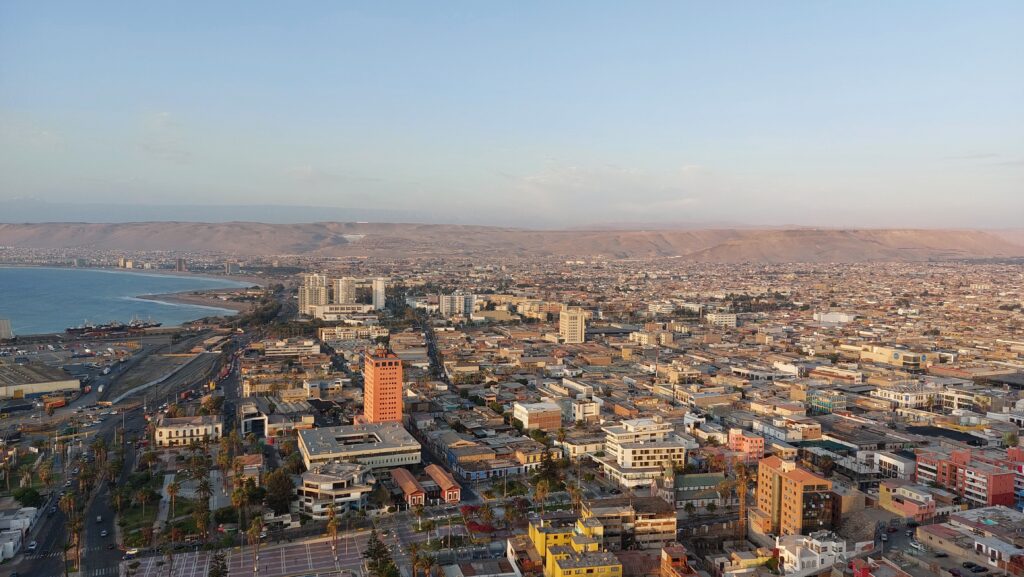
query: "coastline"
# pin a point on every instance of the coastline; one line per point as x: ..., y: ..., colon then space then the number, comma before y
x: 240, y: 279
x: 203, y: 298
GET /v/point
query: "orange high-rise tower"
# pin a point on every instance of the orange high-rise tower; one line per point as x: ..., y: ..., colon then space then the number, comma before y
x: 382, y: 387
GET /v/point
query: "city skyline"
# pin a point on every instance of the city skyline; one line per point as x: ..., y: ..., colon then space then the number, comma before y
x: 870, y: 115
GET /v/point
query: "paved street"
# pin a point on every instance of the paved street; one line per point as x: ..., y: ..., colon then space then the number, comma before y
x: 310, y: 557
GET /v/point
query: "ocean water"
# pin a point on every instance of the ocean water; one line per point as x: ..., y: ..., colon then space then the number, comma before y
x: 48, y: 300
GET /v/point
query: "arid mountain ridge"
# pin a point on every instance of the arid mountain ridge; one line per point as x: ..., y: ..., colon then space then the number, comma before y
x: 726, y: 245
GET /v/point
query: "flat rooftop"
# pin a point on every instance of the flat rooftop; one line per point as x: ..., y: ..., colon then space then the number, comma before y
x: 13, y: 374
x: 355, y: 438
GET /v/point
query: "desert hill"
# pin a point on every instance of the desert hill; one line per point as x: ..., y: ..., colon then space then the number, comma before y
x: 380, y: 239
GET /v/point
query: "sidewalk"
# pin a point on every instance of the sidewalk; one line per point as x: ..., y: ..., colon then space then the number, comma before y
x: 165, y: 503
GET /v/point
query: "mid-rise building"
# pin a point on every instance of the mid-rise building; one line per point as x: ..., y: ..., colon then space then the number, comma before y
x: 572, y: 325
x: 791, y: 501
x: 378, y: 446
x: 290, y: 348
x: 6, y: 333
x: 637, y: 451
x: 752, y: 446
x: 543, y: 416
x: 726, y: 320
x: 980, y: 479
x: 456, y: 304
x: 382, y: 387
x: 344, y: 486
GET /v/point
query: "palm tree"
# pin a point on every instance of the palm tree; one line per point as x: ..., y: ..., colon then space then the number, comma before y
x: 140, y: 497
x: 238, y: 501
x: 45, y: 473
x: 172, y: 492
x: 254, y: 539
x: 67, y: 505
x: 418, y: 511
x: 415, y: 557
x: 428, y: 565
x: 204, y: 490
x: 540, y: 493
x: 575, y: 495
x: 332, y: 527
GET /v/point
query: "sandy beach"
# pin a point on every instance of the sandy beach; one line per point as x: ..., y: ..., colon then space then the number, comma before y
x: 209, y: 298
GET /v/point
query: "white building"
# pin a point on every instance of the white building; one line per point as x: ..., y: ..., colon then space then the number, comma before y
x: 343, y: 485
x: 311, y: 296
x: 344, y: 290
x: 572, y: 325
x: 5, y: 330
x: 637, y: 450
x: 892, y: 466
x: 376, y: 445
x: 379, y: 296
x: 905, y: 396
x: 834, y: 317
x: 727, y: 320
x: 291, y: 348
x: 810, y: 554
x: 456, y: 304
x: 337, y: 312
x: 182, y: 431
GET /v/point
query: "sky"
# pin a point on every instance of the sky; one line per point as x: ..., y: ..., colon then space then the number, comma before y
x: 536, y: 114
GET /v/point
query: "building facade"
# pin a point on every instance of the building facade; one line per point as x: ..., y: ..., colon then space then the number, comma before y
x: 382, y: 387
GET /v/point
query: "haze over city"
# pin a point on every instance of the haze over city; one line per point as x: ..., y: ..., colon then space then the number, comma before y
x: 539, y: 115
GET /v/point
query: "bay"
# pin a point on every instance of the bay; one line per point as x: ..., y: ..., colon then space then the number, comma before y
x: 48, y: 300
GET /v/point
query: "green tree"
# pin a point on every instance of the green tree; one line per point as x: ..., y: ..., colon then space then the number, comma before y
x: 279, y: 491
x: 218, y: 566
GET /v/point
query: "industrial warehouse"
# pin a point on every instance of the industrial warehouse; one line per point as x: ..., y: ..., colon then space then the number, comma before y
x: 32, y: 380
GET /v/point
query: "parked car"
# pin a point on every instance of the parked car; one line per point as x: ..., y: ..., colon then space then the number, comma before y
x: 33, y: 546
x: 969, y: 564
x: 941, y: 554
x: 891, y: 529
x: 979, y: 569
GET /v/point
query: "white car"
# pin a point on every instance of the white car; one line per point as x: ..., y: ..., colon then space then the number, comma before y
x: 32, y: 546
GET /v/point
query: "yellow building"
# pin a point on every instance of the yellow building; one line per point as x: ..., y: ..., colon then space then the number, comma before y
x: 569, y: 547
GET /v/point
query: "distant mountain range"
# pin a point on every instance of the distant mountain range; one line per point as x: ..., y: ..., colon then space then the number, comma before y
x: 726, y: 245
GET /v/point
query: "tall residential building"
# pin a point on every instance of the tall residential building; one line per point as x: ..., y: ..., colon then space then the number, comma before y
x: 344, y: 290
x: 456, y: 304
x: 379, y: 297
x: 314, y: 279
x: 180, y: 265
x: 311, y: 296
x: 572, y: 324
x: 382, y: 387
x: 5, y: 330
x: 791, y: 501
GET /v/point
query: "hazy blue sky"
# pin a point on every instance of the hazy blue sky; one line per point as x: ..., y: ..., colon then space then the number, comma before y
x: 545, y: 113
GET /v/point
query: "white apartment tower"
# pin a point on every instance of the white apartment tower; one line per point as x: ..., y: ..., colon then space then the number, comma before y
x: 344, y: 291
x: 456, y: 304
x: 572, y: 324
x: 379, y: 297
x: 313, y: 292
